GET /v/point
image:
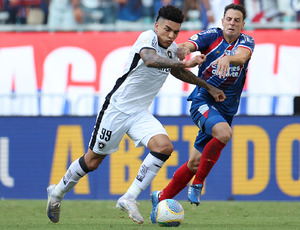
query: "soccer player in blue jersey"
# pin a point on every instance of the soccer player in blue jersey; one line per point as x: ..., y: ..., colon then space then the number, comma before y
x: 228, y: 52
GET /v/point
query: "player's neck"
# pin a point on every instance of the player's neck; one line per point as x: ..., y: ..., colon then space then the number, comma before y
x: 160, y: 45
x: 230, y: 40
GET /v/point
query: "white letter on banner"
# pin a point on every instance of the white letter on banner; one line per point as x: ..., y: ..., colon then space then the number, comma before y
x: 4, y: 163
x: 112, y: 68
x: 80, y: 67
x: 17, y: 69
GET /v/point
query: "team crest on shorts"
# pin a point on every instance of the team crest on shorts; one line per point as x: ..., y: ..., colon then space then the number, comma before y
x: 101, y: 145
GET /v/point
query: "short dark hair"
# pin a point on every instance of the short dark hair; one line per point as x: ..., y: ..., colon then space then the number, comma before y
x: 238, y: 7
x: 171, y: 13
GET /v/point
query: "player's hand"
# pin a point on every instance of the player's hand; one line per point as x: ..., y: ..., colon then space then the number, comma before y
x: 223, y: 67
x: 217, y: 94
x: 182, y: 52
x: 195, y: 61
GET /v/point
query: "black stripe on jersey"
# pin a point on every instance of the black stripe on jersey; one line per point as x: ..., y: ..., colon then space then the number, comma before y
x: 119, y: 82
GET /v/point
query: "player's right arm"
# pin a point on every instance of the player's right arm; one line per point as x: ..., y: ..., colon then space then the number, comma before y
x: 187, y: 76
x: 151, y: 59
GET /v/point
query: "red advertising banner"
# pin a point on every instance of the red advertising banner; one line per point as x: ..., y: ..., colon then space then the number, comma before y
x: 72, y: 65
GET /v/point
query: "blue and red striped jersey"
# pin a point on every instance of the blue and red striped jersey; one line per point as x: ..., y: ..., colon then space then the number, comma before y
x: 212, y: 43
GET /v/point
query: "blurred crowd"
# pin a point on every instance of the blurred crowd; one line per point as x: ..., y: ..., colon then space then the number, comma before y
x: 70, y: 13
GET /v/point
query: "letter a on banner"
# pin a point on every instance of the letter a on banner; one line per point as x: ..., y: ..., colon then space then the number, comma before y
x: 69, y: 141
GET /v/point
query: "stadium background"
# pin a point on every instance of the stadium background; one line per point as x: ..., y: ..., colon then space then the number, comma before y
x: 51, y: 85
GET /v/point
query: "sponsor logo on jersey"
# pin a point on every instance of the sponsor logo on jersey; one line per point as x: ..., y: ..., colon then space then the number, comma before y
x: 165, y: 70
x: 233, y: 70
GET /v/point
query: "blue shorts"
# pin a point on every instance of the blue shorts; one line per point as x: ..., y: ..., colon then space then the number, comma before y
x: 206, y: 116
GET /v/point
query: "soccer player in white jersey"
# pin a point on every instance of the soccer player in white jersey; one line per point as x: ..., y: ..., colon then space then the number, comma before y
x: 125, y: 111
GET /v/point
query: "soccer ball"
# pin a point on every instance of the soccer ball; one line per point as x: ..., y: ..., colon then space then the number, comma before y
x: 169, y: 213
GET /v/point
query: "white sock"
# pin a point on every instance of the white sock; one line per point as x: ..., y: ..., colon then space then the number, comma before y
x: 70, y: 179
x: 133, y: 192
x: 147, y: 172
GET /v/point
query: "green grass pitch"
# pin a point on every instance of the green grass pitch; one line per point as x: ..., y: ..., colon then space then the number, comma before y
x: 88, y: 215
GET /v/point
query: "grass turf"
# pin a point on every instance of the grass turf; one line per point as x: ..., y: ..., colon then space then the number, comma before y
x: 31, y: 214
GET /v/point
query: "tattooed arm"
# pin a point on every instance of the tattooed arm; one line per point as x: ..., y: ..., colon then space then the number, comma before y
x: 187, y: 76
x: 151, y: 59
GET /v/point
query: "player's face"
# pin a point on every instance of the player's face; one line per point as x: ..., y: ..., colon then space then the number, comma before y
x: 232, y: 23
x: 167, y: 31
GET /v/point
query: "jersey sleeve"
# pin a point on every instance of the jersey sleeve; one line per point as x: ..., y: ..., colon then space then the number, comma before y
x: 202, y: 40
x: 247, y: 42
x: 146, y: 39
x: 174, y: 49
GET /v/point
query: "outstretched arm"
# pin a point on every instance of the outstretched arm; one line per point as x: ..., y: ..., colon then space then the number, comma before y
x: 187, y: 76
x: 151, y: 59
x: 223, y: 63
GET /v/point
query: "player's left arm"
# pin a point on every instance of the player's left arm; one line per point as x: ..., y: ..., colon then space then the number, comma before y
x: 187, y: 76
x: 241, y: 55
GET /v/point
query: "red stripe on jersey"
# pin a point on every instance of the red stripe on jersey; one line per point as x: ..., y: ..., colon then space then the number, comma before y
x: 245, y: 48
x: 207, y: 74
x: 206, y: 113
x: 215, y: 44
x: 196, y: 47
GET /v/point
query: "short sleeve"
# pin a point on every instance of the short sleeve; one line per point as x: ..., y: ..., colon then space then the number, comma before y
x: 247, y: 42
x: 146, y: 39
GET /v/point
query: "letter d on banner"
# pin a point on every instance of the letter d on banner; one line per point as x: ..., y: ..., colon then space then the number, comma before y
x: 242, y: 184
